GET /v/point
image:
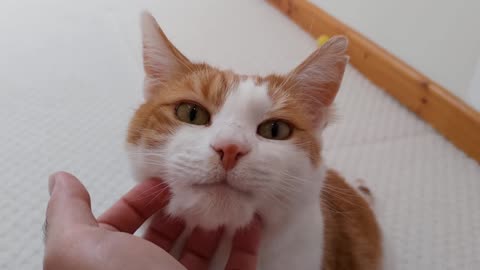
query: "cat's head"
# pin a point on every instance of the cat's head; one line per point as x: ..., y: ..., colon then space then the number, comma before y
x: 230, y: 145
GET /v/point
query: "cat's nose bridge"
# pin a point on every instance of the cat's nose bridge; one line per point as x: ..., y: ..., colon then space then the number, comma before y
x: 231, y: 143
x: 232, y: 133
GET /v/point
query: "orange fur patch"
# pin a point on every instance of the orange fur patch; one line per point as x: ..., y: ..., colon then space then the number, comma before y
x: 353, y: 239
x: 155, y: 119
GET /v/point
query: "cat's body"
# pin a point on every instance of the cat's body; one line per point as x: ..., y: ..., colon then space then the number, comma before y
x: 352, y: 238
x: 230, y: 146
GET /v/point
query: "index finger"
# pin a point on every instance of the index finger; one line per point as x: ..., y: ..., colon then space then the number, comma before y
x: 245, y: 245
x: 135, y: 207
x: 200, y: 248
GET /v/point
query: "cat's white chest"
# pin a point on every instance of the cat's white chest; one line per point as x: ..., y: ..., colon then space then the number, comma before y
x: 295, y: 244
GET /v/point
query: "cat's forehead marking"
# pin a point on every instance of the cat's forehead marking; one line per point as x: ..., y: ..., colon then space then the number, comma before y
x: 249, y: 101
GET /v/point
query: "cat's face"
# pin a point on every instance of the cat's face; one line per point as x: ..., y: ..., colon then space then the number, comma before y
x: 229, y: 145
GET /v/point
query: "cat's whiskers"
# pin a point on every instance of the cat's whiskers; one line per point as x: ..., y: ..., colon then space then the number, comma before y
x: 148, y: 193
x: 185, y: 166
x: 157, y: 194
x: 279, y: 199
x: 339, y: 193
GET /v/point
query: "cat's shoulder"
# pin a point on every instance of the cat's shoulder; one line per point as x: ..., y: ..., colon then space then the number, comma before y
x: 352, y: 235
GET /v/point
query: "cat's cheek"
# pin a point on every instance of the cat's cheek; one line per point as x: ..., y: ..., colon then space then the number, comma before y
x: 144, y: 162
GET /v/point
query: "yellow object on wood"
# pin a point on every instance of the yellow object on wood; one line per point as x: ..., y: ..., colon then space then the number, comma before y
x: 322, y: 40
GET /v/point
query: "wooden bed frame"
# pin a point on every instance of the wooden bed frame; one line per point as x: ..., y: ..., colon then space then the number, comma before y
x: 449, y: 115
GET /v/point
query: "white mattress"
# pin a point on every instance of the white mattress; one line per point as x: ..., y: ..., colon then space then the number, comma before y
x: 71, y: 76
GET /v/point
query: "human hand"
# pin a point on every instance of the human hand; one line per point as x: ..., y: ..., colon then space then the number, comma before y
x: 76, y: 240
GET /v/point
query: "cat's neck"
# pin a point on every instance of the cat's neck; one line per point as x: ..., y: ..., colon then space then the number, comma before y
x: 275, y: 214
x: 299, y: 230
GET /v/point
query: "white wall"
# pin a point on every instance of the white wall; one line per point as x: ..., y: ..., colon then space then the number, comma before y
x: 473, y: 93
x: 441, y: 38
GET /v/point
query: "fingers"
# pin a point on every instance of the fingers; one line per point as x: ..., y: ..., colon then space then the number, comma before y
x: 135, y: 207
x: 164, y: 231
x: 244, y: 253
x: 69, y: 203
x: 200, y: 248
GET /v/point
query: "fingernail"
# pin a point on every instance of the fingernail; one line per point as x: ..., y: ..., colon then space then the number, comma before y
x: 51, y: 184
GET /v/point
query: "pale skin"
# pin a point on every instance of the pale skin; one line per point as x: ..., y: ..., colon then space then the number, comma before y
x: 75, y: 239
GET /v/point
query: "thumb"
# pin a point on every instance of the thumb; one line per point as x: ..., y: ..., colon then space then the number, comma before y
x: 69, y: 203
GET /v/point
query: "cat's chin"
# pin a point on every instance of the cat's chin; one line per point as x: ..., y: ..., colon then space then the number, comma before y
x: 211, y: 207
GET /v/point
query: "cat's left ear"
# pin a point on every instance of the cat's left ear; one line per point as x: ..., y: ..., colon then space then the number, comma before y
x: 318, y: 78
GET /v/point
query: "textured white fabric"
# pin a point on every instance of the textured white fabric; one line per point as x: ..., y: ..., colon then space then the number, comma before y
x: 71, y: 76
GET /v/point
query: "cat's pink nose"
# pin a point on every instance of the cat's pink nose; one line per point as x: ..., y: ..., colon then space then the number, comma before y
x: 230, y: 154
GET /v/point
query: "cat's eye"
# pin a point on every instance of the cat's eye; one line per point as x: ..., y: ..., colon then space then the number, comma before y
x: 192, y: 113
x: 275, y: 130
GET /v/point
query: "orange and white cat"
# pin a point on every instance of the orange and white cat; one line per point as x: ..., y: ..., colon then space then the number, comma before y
x: 230, y: 146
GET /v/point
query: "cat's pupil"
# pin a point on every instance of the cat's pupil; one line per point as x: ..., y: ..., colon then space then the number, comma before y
x: 193, y: 113
x: 274, y: 129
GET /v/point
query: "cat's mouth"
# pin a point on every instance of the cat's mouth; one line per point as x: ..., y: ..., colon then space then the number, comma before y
x: 223, y: 186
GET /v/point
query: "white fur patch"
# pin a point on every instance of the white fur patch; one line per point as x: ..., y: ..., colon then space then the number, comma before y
x: 244, y: 108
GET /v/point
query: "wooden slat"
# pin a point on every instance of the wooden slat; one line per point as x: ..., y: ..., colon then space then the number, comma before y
x: 449, y: 115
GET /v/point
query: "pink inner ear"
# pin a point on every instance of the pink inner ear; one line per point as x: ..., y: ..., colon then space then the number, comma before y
x: 319, y: 77
x: 317, y: 95
x: 147, y: 88
x: 158, y: 61
x: 318, y: 114
x: 151, y: 86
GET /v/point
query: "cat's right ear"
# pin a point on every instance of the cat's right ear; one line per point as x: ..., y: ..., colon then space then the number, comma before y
x: 161, y: 60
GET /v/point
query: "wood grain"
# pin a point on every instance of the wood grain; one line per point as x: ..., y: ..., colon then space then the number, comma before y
x: 449, y: 115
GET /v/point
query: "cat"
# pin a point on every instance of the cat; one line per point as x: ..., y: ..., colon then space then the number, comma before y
x: 229, y: 146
